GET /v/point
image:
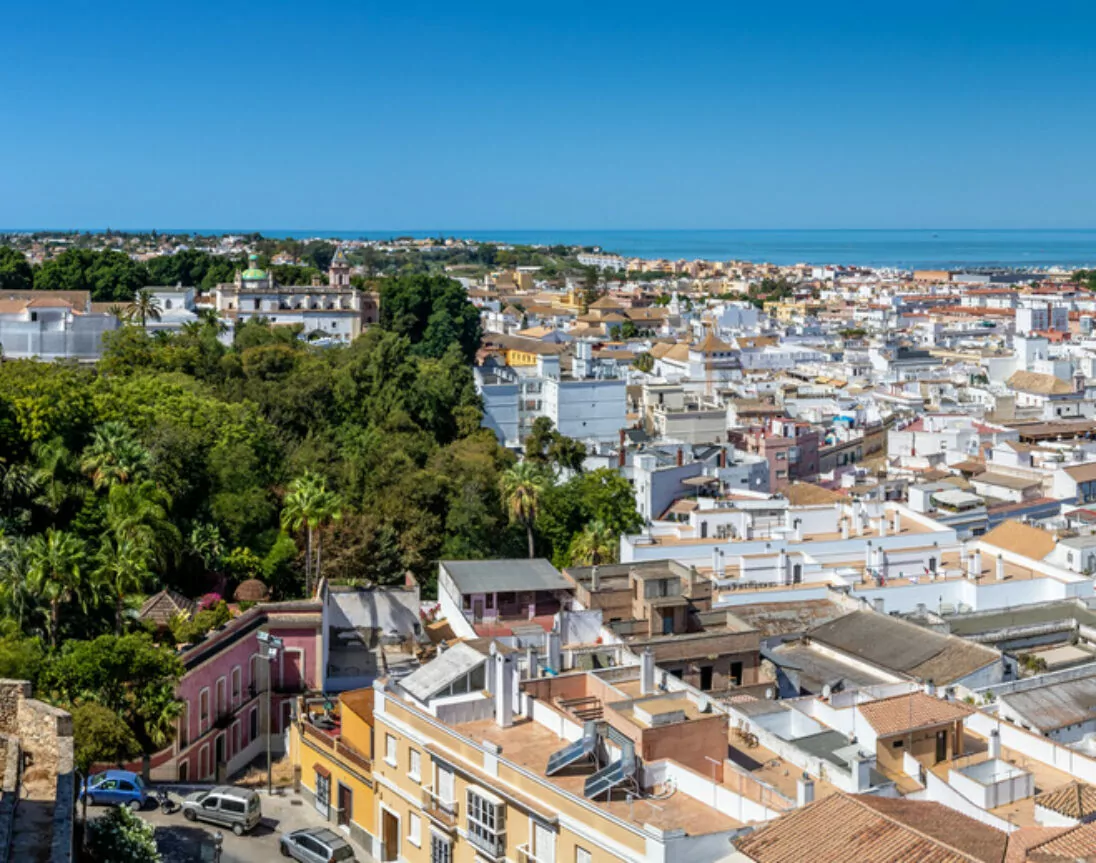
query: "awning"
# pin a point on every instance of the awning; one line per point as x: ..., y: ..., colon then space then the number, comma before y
x: 321, y: 770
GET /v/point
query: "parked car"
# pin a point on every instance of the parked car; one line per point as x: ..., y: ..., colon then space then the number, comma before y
x: 238, y: 809
x: 115, y: 788
x: 316, y: 845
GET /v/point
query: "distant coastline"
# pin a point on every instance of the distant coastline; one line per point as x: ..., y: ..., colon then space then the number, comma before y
x: 905, y: 248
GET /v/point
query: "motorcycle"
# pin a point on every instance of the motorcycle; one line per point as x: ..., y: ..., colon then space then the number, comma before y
x: 164, y: 801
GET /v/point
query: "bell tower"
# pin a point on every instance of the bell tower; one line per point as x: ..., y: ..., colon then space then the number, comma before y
x: 339, y: 272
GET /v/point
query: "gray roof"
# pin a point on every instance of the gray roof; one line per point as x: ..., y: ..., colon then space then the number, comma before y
x: 1056, y: 704
x: 499, y: 576
x: 897, y: 645
x: 441, y: 671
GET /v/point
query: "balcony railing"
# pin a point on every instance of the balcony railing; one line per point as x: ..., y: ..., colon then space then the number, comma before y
x: 338, y: 747
x: 492, y: 844
x: 525, y: 855
x: 443, y: 812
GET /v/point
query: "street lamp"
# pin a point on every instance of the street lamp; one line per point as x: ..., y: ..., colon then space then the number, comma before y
x: 271, y: 646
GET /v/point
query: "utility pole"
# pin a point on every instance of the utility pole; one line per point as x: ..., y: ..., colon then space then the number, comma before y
x: 272, y: 645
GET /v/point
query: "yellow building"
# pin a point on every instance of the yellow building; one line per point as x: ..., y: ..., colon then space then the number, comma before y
x: 334, y: 765
x: 462, y: 772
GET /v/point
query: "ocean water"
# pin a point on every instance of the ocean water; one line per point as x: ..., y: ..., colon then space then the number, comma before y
x: 879, y: 248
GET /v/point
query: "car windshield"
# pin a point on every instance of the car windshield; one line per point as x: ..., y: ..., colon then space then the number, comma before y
x: 202, y: 796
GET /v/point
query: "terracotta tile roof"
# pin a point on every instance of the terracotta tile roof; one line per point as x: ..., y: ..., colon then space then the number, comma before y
x: 1070, y: 846
x: 907, y: 712
x: 711, y: 345
x: 12, y: 307
x: 1020, y: 538
x: 807, y: 494
x: 1075, y: 800
x: 1082, y: 472
x: 1019, y: 841
x: 1034, y: 382
x: 843, y: 828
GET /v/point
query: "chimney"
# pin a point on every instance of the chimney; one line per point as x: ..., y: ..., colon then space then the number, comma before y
x: 504, y: 687
x: 882, y: 525
x: 964, y: 563
x: 861, y: 774
x: 976, y: 564
x: 798, y: 534
x: 647, y: 672
x: 531, y: 668
x: 883, y: 562
x: 680, y: 456
x: 621, y: 453
x: 867, y: 555
x: 897, y: 522
x: 782, y: 567
x: 1000, y: 567
x: 722, y: 457
x: 844, y: 528
x: 877, y: 604
x: 555, y: 654
x: 930, y: 688
x: 994, y: 750
x: 595, y: 580
x: 804, y: 790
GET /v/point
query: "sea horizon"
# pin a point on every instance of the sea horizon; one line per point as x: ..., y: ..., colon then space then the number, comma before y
x: 905, y: 248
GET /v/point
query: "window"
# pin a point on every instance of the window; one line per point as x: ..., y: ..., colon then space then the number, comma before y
x: 414, y: 830
x: 203, y: 709
x: 236, y: 677
x: 230, y: 804
x: 898, y: 744
x: 781, y: 456
x: 390, y: 750
x: 485, y: 822
x: 781, y: 474
x: 414, y: 767
x: 441, y: 849
x: 582, y: 855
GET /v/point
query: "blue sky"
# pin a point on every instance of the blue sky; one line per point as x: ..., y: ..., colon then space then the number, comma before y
x: 531, y: 114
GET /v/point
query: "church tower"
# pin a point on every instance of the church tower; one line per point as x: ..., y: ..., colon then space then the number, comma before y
x: 339, y: 272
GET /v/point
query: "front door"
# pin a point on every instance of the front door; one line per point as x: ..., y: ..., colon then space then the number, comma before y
x: 477, y: 609
x: 390, y: 835
x: 219, y: 751
x: 941, y: 746
x: 346, y: 805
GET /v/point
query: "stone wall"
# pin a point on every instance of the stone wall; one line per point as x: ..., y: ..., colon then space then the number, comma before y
x: 45, y: 733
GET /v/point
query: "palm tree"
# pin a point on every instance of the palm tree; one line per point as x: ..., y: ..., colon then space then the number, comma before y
x: 113, y: 456
x: 329, y: 509
x: 156, y: 726
x: 122, y: 569
x: 138, y: 511
x: 212, y: 318
x: 119, y: 311
x: 54, y: 465
x: 309, y: 504
x: 145, y: 308
x: 15, y: 596
x: 522, y: 488
x: 595, y: 544
x: 55, y: 572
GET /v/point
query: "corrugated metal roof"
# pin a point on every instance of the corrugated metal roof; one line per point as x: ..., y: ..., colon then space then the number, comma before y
x: 497, y: 576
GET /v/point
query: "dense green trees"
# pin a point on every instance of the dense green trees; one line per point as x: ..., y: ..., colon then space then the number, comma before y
x: 433, y: 312
x: 107, y: 275
x: 15, y: 271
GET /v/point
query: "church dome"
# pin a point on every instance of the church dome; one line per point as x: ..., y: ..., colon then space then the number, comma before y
x: 253, y: 271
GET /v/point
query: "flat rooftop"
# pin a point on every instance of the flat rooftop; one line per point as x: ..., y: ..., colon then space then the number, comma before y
x: 529, y: 744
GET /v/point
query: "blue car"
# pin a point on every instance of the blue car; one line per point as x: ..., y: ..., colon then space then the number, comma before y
x: 115, y: 788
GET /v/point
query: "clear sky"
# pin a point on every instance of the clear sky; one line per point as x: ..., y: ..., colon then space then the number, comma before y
x: 595, y: 114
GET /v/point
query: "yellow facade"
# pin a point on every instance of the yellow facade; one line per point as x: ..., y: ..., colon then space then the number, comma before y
x: 520, y: 358
x: 423, y: 815
x: 339, y: 768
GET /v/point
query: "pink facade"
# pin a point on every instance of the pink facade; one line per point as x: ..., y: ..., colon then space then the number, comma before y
x: 224, y: 691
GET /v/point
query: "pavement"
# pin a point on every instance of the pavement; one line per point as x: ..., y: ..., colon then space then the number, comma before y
x: 182, y: 841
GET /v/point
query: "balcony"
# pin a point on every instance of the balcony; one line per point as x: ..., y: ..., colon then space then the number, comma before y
x: 525, y: 855
x: 444, y: 813
x: 339, y: 749
x: 491, y: 844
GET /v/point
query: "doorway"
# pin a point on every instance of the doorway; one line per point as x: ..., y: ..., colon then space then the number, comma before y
x: 736, y: 673
x: 477, y: 610
x: 219, y: 751
x: 941, y: 746
x: 705, y: 677
x: 390, y: 836
x: 346, y: 806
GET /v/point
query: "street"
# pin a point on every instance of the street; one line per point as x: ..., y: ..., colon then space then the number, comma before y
x: 181, y: 841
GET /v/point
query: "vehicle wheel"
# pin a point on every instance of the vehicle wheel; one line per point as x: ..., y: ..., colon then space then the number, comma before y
x: 238, y: 829
x: 190, y: 816
x: 284, y: 850
x: 135, y: 805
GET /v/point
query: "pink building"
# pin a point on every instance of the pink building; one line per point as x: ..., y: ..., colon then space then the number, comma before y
x: 224, y: 691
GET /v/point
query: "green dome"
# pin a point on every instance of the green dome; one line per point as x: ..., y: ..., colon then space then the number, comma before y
x: 253, y: 273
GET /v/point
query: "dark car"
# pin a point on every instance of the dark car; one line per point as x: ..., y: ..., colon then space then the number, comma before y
x: 316, y: 845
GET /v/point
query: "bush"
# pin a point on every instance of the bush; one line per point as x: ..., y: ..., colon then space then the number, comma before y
x: 194, y: 630
x: 121, y: 836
